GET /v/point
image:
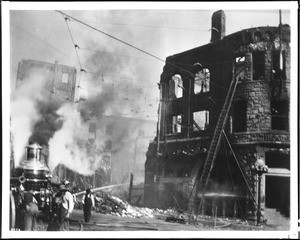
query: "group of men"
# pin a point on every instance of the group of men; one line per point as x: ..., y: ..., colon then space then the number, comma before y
x: 62, y: 207
x: 63, y: 202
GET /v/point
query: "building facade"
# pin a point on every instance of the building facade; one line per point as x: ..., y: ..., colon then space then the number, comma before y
x: 59, y: 80
x: 193, y: 88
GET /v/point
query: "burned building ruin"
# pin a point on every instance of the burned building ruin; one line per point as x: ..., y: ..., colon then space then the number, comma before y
x: 224, y: 106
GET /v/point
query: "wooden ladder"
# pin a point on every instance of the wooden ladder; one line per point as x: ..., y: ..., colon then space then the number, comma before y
x: 201, y: 184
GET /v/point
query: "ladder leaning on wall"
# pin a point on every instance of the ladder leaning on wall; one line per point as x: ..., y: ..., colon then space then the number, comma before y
x: 201, y: 183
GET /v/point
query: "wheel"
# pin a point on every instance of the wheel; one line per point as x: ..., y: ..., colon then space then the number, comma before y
x: 12, y: 209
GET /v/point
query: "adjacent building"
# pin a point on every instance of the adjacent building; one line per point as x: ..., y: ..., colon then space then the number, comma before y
x: 59, y: 80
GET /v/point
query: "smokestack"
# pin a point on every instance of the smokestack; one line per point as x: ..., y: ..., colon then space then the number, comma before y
x: 217, y: 26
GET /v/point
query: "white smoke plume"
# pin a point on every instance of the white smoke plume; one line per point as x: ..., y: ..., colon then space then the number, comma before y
x: 24, y: 113
x: 68, y: 145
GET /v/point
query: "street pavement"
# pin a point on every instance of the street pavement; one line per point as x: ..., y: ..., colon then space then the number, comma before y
x: 109, y: 222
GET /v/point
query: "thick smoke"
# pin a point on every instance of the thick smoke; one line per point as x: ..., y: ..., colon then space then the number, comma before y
x: 24, y: 113
x: 68, y: 145
x: 115, y: 85
x: 47, y: 124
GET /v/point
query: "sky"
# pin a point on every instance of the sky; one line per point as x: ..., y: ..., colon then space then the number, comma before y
x: 158, y: 30
x: 44, y: 35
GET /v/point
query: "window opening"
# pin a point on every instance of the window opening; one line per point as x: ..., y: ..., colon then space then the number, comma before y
x: 280, y: 111
x: 240, y: 67
x: 202, y: 81
x: 175, y: 87
x: 176, y: 124
x: 201, y: 120
x: 258, y: 65
x: 278, y: 65
x: 239, y: 118
x: 277, y: 159
x: 65, y: 78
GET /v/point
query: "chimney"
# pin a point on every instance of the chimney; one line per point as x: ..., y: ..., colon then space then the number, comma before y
x: 217, y: 26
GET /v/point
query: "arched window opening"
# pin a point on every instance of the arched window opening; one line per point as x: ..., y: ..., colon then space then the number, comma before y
x: 202, y: 81
x: 176, y: 87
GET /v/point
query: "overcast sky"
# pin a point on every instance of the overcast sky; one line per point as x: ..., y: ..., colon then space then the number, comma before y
x: 43, y: 35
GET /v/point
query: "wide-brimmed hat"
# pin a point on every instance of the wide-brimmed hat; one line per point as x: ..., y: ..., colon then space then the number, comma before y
x: 62, y: 187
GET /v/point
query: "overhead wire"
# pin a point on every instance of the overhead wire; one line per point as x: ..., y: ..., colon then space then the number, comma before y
x: 80, y: 64
x: 103, y: 33
x: 75, y: 46
x: 149, y: 26
x: 94, y: 71
x: 118, y: 39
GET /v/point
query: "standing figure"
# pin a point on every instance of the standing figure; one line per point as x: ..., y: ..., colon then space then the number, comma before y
x: 26, y: 209
x: 88, y: 203
x: 31, y: 211
x: 53, y: 224
x: 72, y: 191
x: 66, y: 208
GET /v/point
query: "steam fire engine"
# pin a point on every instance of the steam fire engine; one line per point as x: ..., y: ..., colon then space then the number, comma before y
x: 32, y: 175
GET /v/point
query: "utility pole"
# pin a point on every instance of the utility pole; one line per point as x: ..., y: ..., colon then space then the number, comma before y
x: 130, y: 187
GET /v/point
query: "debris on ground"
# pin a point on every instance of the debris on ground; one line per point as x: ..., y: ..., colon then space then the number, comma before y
x: 105, y: 203
x: 176, y: 219
x: 108, y: 204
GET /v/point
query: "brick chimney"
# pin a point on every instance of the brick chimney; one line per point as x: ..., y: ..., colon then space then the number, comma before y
x: 217, y: 26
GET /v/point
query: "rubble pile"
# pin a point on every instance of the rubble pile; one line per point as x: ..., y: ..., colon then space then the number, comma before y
x: 105, y: 203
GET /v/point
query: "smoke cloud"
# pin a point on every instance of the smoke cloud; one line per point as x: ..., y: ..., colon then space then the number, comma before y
x: 24, y: 113
x: 116, y: 82
x: 68, y: 145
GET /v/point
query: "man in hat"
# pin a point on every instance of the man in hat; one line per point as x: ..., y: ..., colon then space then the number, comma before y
x: 68, y: 186
x: 88, y: 203
x: 66, y: 208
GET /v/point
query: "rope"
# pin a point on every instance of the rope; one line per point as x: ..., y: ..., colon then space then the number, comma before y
x: 239, y: 167
x: 230, y: 173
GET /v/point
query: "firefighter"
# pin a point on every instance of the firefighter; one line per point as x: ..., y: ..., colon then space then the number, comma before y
x: 53, y: 224
x: 31, y: 211
x: 88, y: 203
x: 27, y: 209
x: 66, y: 208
